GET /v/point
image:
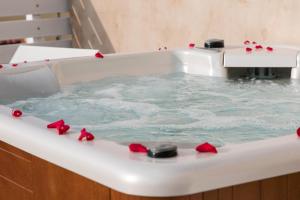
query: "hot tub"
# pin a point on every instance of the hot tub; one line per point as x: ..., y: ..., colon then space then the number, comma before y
x: 262, y: 169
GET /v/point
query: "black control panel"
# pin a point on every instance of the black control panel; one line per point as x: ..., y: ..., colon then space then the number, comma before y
x: 163, y: 151
x: 214, y: 43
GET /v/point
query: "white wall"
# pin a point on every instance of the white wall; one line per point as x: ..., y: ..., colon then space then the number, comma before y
x: 138, y: 25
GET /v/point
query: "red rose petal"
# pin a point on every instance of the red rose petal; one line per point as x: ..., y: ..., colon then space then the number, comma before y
x: 138, y: 148
x: 85, y: 134
x: 1, y: 66
x: 269, y: 49
x: 258, y: 47
x: 56, y: 124
x: 99, y: 55
x: 298, y: 132
x: 16, y: 113
x: 89, y: 136
x: 206, y: 148
x: 248, y: 49
x: 246, y: 42
x: 62, y: 129
x: 192, y: 45
x: 60, y: 126
x: 82, y: 134
x: 14, y: 65
x: 253, y: 42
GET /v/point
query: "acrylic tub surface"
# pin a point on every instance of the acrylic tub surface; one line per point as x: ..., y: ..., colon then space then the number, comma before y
x: 114, y: 166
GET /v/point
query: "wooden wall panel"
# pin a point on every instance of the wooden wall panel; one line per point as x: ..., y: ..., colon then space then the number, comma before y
x: 16, y: 168
x: 211, y: 195
x: 23, y: 7
x: 198, y: 196
x: 12, y: 191
x: 14, y: 150
x: 274, y: 188
x: 34, y: 28
x: 114, y: 195
x: 15, y: 165
x: 51, y: 182
x: 180, y: 198
x: 294, y: 186
x: 47, y: 21
x: 55, y: 183
x: 225, y: 193
x: 247, y: 191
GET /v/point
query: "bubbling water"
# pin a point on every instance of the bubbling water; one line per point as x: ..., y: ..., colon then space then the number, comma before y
x: 176, y: 108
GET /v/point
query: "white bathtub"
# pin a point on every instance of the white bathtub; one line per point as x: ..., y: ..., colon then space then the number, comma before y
x: 111, y: 164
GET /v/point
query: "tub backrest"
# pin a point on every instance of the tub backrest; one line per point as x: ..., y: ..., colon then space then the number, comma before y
x: 69, y: 71
x: 24, y: 82
x: 42, y: 22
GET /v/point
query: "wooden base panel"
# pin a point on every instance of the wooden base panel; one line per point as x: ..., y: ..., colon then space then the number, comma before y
x: 26, y: 177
